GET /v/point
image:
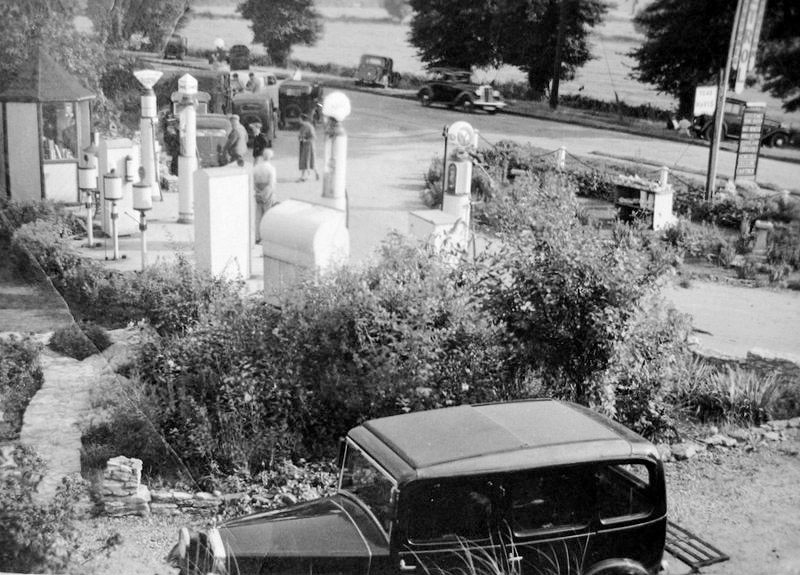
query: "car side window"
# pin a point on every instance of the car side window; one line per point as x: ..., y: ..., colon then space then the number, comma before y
x: 447, y: 511
x: 551, y: 499
x: 624, y: 491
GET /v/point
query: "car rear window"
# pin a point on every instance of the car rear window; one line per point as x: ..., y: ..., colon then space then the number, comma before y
x: 625, y: 491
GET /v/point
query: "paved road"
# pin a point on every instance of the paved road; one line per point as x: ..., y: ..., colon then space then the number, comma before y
x: 407, y: 120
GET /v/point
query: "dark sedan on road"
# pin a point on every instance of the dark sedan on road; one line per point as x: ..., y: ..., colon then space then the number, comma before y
x: 455, y: 89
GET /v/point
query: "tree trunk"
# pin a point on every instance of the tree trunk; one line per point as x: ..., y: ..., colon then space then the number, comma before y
x: 686, y: 102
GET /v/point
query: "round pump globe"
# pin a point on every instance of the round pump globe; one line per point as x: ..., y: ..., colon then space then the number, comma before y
x: 336, y: 105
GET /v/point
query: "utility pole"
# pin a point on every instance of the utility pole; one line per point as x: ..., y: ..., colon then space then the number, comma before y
x: 562, y: 24
x: 722, y: 92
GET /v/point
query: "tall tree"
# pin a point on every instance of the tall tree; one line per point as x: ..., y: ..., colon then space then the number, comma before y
x: 780, y: 54
x: 397, y: 9
x: 116, y: 21
x: 686, y: 44
x: 531, y: 35
x: 47, y: 23
x: 280, y: 24
x: 520, y: 33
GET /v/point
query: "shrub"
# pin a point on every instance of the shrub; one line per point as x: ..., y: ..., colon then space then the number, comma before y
x: 648, y: 359
x: 80, y: 342
x: 20, y: 378
x: 35, y: 537
x: 565, y: 294
x: 731, y: 395
x: 784, y: 246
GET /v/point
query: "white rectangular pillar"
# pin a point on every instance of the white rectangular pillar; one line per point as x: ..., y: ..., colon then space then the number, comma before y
x: 222, y: 221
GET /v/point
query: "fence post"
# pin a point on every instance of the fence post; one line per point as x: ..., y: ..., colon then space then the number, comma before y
x: 663, y: 177
x: 561, y: 158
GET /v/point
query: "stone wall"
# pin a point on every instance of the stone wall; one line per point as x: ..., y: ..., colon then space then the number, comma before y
x: 122, y: 493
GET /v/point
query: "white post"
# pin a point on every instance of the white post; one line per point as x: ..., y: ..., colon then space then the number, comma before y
x: 336, y: 107
x: 334, y: 176
x: 561, y: 160
x: 187, y: 161
x: 663, y: 176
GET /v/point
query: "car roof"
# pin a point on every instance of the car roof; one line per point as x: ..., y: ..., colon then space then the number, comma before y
x: 487, y: 438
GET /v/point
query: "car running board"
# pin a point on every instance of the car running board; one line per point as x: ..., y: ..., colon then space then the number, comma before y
x: 690, y: 549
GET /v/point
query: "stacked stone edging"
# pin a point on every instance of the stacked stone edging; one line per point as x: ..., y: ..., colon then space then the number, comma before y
x: 122, y: 490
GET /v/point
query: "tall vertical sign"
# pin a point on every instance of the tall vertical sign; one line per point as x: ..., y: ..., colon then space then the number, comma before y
x: 749, y: 141
x: 748, y: 29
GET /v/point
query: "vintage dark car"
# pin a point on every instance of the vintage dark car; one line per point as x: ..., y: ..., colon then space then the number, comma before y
x: 531, y: 487
x: 176, y: 47
x: 455, y: 88
x: 239, y: 57
x: 212, y: 133
x: 773, y: 133
x: 376, y: 71
x: 256, y: 107
x: 298, y: 97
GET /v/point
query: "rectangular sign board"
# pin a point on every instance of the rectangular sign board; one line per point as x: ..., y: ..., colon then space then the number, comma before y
x: 749, y: 141
x: 748, y: 29
x: 705, y: 100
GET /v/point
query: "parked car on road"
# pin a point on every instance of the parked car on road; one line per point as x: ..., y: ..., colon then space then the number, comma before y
x: 298, y: 97
x: 455, y: 88
x: 529, y: 487
x: 239, y: 57
x: 212, y: 133
x: 176, y: 47
x: 256, y: 107
x: 773, y: 133
x: 376, y: 71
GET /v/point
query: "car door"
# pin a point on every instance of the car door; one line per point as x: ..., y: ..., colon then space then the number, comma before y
x: 444, y: 526
x: 734, y: 112
x: 548, y: 519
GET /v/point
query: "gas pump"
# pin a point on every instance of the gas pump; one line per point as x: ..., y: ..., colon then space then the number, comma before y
x: 462, y: 139
x: 87, y: 182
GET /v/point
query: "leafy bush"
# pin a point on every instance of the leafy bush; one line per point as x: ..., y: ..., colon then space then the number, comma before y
x: 170, y: 296
x: 80, y: 342
x: 20, y: 378
x: 694, y: 240
x: 565, y: 294
x: 35, y: 537
x: 784, y: 246
x: 647, y: 362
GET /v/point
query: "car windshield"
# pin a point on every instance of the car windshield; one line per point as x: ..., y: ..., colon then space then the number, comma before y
x: 373, y: 61
x: 361, y: 477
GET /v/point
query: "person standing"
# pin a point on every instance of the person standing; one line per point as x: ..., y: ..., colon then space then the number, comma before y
x: 265, y: 179
x: 260, y: 140
x: 236, y: 84
x: 250, y: 86
x: 236, y: 144
x: 307, y: 157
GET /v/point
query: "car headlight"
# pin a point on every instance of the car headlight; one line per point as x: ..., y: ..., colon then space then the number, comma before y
x: 199, y: 553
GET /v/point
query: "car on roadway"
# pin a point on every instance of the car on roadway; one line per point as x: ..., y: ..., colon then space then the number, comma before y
x: 254, y: 107
x: 523, y: 486
x: 297, y: 98
x: 376, y: 71
x: 773, y: 132
x: 176, y: 47
x: 239, y: 57
x: 455, y: 89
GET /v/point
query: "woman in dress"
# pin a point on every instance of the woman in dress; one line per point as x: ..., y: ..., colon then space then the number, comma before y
x: 307, y: 159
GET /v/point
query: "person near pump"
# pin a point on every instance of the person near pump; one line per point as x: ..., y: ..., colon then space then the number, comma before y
x: 236, y: 144
x: 236, y: 83
x: 265, y: 179
x: 260, y: 141
x: 307, y: 156
x: 250, y: 86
